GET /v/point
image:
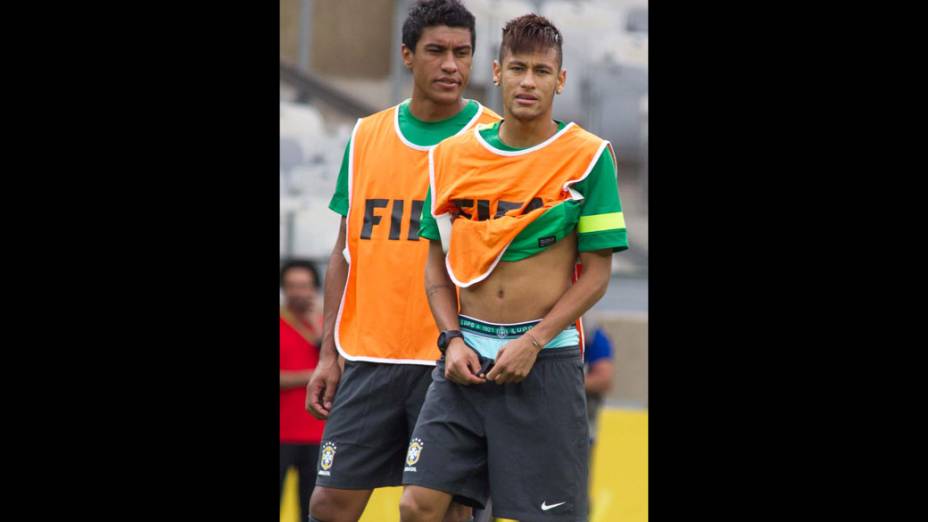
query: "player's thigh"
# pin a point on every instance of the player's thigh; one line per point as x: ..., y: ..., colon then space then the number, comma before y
x: 538, y: 443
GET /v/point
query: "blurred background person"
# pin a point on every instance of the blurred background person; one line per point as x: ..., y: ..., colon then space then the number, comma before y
x: 599, y: 369
x: 599, y: 372
x: 300, y: 331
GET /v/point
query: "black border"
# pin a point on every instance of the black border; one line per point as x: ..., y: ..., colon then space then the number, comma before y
x: 179, y: 258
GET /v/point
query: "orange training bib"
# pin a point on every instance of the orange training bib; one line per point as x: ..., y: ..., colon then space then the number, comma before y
x: 384, y: 314
x: 493, y: 194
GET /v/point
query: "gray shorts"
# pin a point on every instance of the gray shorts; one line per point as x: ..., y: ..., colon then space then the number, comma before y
x: 373, y: 414
x: 526, y: 444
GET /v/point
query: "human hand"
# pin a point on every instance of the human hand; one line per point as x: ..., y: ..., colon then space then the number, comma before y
x: 514, y: 361
x: 462, y: 366
x: 322, y: 386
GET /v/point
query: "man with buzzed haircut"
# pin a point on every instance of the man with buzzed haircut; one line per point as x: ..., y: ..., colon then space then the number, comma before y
x: 376, y: 313
x: 525, y: 198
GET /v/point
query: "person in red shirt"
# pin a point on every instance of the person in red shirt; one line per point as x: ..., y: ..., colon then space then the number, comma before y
x: 300, y: 331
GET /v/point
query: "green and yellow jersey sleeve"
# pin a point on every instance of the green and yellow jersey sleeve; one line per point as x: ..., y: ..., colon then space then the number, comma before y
x: 601, y: 223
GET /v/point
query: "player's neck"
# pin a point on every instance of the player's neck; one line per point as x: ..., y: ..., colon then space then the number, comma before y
x: 425, y: 109
x: 521, y: 134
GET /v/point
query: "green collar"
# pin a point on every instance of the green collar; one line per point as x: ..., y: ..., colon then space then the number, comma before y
x: 428, y: 133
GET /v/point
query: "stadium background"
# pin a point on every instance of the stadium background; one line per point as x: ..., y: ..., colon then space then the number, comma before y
x: 339, y: 60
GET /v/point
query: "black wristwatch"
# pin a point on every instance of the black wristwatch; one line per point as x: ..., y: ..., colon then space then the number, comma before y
x: 445, y: 337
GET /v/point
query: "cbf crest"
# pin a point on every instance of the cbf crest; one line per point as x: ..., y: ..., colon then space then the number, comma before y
x: 328, y: 457
x: 412, y: 456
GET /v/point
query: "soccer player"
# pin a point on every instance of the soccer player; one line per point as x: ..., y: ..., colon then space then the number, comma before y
x: 376, y: 312
x: 525, y: 197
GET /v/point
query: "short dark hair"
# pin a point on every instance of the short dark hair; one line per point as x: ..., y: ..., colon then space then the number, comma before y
x: 299, y: 263
x: 430, y: 13
x: 531, y: 33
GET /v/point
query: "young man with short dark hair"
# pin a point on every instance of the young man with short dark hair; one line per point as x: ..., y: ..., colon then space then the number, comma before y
x: 376, y: 312
x: 525, y: 198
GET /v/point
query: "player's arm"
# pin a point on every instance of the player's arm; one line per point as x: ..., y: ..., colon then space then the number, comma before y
x: 294, y: 378
x: 461, y: 363
x: 515, y: 360
x: 599, y: 378
x: 325, y: 378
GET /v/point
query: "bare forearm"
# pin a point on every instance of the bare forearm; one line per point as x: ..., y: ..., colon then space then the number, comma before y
x: 589, y: 288
x: 439, y: 289
x: 294, y: 379
x: 599, y: 380
x: 336, y: 276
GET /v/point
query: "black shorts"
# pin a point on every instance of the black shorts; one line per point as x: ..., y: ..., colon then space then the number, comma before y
x: 525, y: 443
x: 373, y: 414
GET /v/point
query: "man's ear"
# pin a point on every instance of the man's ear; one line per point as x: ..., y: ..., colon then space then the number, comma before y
x: 407, y: 56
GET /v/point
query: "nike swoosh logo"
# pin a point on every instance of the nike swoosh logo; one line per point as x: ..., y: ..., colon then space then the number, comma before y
x: 545, y: 507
